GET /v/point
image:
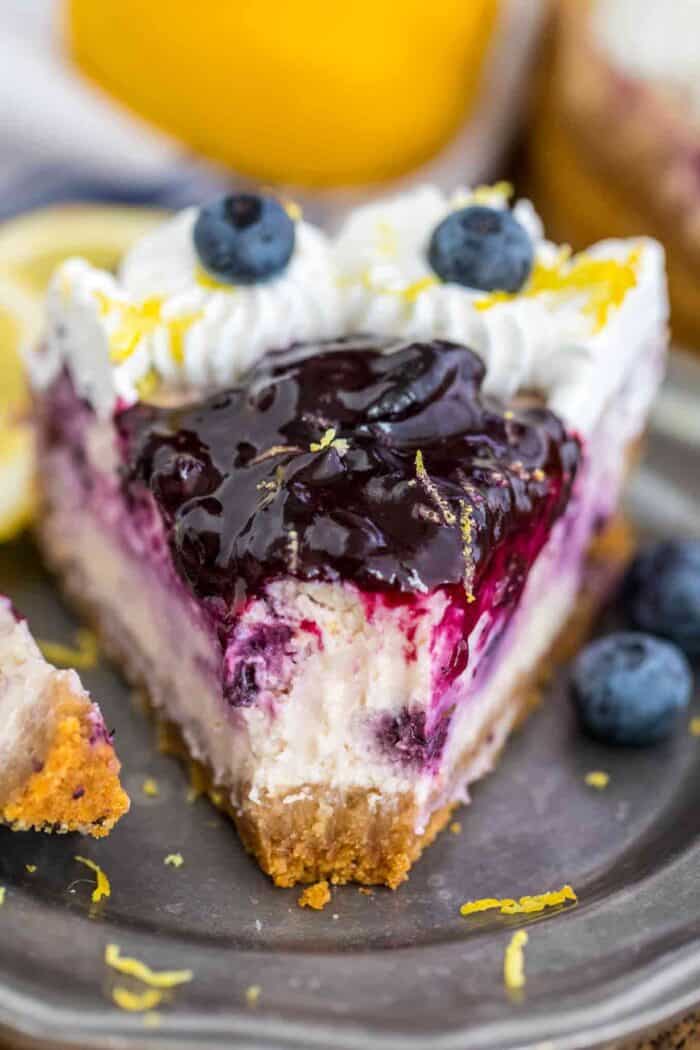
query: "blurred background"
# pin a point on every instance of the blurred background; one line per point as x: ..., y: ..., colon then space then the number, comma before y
x: 112, y: 111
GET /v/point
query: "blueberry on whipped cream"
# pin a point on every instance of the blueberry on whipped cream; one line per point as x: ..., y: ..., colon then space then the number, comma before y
x: 194, y: 304
x: 484, y: 248
x: 244, y: 238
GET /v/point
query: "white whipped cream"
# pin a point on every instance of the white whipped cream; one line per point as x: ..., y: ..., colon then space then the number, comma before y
x: 551, y: 342
x: 654, y: 40
x: 163, y: 320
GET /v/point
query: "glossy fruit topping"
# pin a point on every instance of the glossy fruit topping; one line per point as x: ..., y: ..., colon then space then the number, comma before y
x: 341, y: 460
x: 630, y: 687
x: 244, y: 238
x: 482, y: 248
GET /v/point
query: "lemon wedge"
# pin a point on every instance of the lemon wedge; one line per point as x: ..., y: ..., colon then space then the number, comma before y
x: 31, y: 246
x: 20, y: 318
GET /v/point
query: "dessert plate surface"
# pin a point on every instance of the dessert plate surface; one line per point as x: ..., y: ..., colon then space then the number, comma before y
x: 390, y: 971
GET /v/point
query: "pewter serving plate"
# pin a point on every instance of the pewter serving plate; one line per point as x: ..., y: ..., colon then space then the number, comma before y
x: 392, y: 971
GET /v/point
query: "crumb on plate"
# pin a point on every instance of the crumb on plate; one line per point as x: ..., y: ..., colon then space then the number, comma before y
x: 174, y: 860
x: 150, y: 787
x: 316, y: 896
x: 455, y: 827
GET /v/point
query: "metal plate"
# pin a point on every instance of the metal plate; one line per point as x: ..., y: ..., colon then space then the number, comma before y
x: 388, y: 971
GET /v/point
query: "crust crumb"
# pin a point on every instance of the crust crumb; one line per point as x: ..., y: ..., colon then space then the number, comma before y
x: 316, y: 896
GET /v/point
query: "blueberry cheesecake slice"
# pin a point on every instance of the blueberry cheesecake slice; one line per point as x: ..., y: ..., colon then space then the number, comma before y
x: 343, y: 576
x: 58, y: 768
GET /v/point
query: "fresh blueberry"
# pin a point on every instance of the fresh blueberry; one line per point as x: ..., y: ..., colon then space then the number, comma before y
x: 244, y: 238
x: 484, y: 248
x: 629, y: 688
x: 662, y: 592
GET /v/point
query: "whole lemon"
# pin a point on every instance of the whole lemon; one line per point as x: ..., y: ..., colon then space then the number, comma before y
x: 299, y: 91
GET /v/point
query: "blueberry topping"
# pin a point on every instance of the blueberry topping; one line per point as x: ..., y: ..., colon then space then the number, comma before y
x: 244, y: 238
x: 630, y: 687
x: 483, y: 248
x: 661, y: 593
x: 311, y: 467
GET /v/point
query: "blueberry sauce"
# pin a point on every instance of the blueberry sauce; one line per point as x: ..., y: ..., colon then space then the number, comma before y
x: 405, y: 738
x: 254, y: 656
x: 340, y: 461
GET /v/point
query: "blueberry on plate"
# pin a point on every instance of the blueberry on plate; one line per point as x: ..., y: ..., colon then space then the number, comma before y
x: 661, y: 593
x: 244, y: 238
x: 482, y: 248
x: 629, y: 688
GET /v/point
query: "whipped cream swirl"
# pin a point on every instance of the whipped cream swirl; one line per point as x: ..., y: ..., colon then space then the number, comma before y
x: 571, y: 333
x: 164, y: 322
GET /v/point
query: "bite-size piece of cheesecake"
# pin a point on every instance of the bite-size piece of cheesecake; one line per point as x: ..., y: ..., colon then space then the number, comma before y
x: 348, y: 571
x: 58, y: 768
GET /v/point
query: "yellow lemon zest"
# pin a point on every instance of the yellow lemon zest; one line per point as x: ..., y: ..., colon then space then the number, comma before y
x: 329, y: 440
x: 83, y: 656
x: 137, y: 320
x: 508, y: 906
x: 147, y: 384
x: 102, y: 888
x: 597, y: 779
x: 325, y: 442
x: 150, y: 787
x: 31, y: 868
x: 174, y: 860
x: 455, y: 827
x: 386, y: 239
x: 514, y: 961
x: 694, y: 726
x: 293, y: 210
x: 465, y: 527
x: 252, y: 994
x: 142, y: 972
x: 207, y: 280
x: 136, y: 1002
x: 491, y: 194
x: 604, y: 283
x: 2, y: 895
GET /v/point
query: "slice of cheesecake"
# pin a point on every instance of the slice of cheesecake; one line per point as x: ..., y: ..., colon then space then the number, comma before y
x: 344, y: 577
x: 58, y: 768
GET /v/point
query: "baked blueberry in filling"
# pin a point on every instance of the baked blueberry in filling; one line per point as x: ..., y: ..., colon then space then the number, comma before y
x: 359, y: 460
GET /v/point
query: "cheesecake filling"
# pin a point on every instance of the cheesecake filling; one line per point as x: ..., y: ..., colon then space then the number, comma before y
x: 440, y: 543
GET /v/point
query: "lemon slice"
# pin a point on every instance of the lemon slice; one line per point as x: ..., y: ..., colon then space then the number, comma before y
x: 30, y: 248
x: 20, y: 319
x: 33, y: 245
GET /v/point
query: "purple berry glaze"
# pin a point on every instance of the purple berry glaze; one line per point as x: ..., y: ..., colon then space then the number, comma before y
x: 245, y: 500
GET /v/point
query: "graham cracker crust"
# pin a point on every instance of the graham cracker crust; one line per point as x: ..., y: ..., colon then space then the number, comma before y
x: 77, y: 787
x: 360, y: 836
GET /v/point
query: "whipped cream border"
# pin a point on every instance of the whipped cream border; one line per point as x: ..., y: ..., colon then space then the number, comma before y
x: 162, y: 320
